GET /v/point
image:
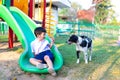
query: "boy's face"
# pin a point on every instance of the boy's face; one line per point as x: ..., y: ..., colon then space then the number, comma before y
x: 41, y: 36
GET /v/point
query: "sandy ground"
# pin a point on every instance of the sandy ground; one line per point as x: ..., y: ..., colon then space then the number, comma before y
x: 9, y: 68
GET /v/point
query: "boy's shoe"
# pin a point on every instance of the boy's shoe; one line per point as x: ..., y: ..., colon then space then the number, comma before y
x: 52, y: 71
x: 41, y: 66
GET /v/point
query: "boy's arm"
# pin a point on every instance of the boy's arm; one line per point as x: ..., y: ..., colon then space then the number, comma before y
x: 52, y: 42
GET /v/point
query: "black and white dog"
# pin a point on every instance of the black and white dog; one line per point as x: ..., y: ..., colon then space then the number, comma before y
x: 83, y: 43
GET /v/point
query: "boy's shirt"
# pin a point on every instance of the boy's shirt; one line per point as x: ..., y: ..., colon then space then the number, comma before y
x: 39, y: 46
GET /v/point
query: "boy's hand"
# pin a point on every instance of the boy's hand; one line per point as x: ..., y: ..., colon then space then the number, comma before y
x: 52, y: 42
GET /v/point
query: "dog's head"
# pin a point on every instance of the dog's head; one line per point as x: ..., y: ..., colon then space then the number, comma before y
x: 72, y: 39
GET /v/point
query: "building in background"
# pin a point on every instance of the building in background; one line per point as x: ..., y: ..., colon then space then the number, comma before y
x: 51, y: 13
x: 116, y: 8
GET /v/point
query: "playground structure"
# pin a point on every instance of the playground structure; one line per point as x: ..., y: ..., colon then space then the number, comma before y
x: 0, y: 1
x: 22, y: 5
x: 47, y: 13
x: 52, y: 15
x: 24, y: 27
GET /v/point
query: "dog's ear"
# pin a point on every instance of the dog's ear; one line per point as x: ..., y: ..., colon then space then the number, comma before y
x: 73, y: 38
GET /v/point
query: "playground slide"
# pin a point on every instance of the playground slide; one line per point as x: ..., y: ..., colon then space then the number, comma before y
x: 23, y: 27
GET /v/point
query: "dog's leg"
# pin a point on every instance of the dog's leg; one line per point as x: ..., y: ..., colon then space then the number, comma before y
x: 90, y: 57
x: 78, y: 60
x: 86, y: 57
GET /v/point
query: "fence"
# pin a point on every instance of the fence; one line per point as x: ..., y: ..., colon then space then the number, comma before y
x: 3, y: 28
x: 86, y: 28
x: 79, y: 28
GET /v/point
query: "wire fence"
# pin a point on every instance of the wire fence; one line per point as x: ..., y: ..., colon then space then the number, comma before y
x: 3, y: 28
x: 3, y: 31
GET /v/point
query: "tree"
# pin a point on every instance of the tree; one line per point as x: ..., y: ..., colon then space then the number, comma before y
x: 104, y: 12
x: 71, y: 12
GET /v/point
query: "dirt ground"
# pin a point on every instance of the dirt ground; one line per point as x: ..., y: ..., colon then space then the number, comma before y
x: 9, y: 68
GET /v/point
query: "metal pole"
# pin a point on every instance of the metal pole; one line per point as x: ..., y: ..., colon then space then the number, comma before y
x: 44, y: 13
x: 10, y: 36
x: 31, y: 9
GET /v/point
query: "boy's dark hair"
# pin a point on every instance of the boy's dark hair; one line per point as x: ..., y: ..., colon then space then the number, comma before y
x: 39, y: 30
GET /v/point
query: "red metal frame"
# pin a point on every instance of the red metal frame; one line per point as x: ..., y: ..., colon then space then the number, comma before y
x: 31, y: 9
x: 12, y: 2
x: 10, y: 36
x: 44, y: 13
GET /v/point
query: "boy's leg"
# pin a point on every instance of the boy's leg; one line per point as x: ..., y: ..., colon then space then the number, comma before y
x: 37, y: 63
x: 48, y: 61
x: 50, y: 65
x: 34, y: 61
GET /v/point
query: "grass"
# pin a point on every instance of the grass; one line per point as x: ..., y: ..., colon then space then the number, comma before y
x: 3, y: 38
x: 105, y: 61
x: 105, y: 64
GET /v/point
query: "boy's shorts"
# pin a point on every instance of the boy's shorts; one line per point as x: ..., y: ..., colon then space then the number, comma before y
x: 41, y: 56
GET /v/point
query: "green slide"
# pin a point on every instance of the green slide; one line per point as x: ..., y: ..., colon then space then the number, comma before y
x: 23, y: 27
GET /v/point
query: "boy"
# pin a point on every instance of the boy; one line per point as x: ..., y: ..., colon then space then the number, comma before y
x: 43, y: 57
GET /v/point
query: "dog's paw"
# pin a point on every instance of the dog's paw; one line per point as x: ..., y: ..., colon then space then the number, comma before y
x: 90, y: 58
x: 86, y: 62
x: 78, y: 61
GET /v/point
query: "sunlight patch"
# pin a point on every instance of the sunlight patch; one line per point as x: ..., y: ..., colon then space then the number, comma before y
x: 59, y: 45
